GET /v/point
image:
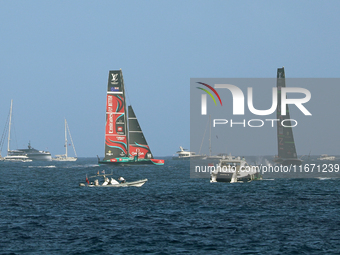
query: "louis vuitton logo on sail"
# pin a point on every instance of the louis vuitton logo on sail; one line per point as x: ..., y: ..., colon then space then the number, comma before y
x: 114, y: 78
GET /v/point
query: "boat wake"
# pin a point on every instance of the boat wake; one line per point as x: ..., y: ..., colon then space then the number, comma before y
x: 82, y: 166
x: 323, y: 178
x: 42, y: 166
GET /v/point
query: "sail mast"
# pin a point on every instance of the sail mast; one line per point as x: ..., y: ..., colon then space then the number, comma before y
x: 286, y: 145
x: 65, y: 140
x: 125, y: 114
x: 209, y: 136
x: 116, y: 134
x: 9, y: 126
x: 69, y: 133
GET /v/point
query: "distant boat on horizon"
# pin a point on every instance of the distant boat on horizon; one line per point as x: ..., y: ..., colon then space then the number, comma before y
x: 123, y: 145
x: 184, y: 154
x: 326, y: 157
x: 65, y: 157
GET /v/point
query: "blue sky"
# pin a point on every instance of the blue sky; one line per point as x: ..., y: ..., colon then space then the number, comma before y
x: 55, y: 57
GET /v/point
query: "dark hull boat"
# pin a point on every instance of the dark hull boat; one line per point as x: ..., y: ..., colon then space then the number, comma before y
x: 285, y: 139
x: 123, y: 145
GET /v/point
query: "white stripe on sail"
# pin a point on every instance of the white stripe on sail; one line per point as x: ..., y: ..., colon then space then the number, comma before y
x: 109, y: 92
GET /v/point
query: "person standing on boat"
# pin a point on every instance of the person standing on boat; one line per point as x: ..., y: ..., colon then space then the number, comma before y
x: 136, y: 156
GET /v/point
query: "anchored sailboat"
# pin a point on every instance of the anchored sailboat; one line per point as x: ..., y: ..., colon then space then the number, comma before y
x: 285, y: 139
x: 65, y: 157
x: 123, y: 145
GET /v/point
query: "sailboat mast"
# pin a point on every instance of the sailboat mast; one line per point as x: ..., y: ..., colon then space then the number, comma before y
x: 125, y: 116
x: 69, y: 133
x: 9, y: 126
x: 116, y: 121
x: 65, y: 139
x: 285, y: 138
x: 209, y: 136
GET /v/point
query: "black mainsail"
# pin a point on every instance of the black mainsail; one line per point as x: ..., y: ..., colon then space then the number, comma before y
x: 285, y: 139
x: 123, y: 145
x: 138, y: 147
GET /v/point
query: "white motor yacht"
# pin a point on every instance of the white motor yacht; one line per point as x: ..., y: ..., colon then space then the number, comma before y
x: 234, y: 169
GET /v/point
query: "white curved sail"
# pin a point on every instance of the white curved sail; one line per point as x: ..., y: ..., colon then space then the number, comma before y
x: 64, y: 157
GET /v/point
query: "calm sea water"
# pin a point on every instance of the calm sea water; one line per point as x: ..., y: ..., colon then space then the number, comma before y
x: 44, y: 211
